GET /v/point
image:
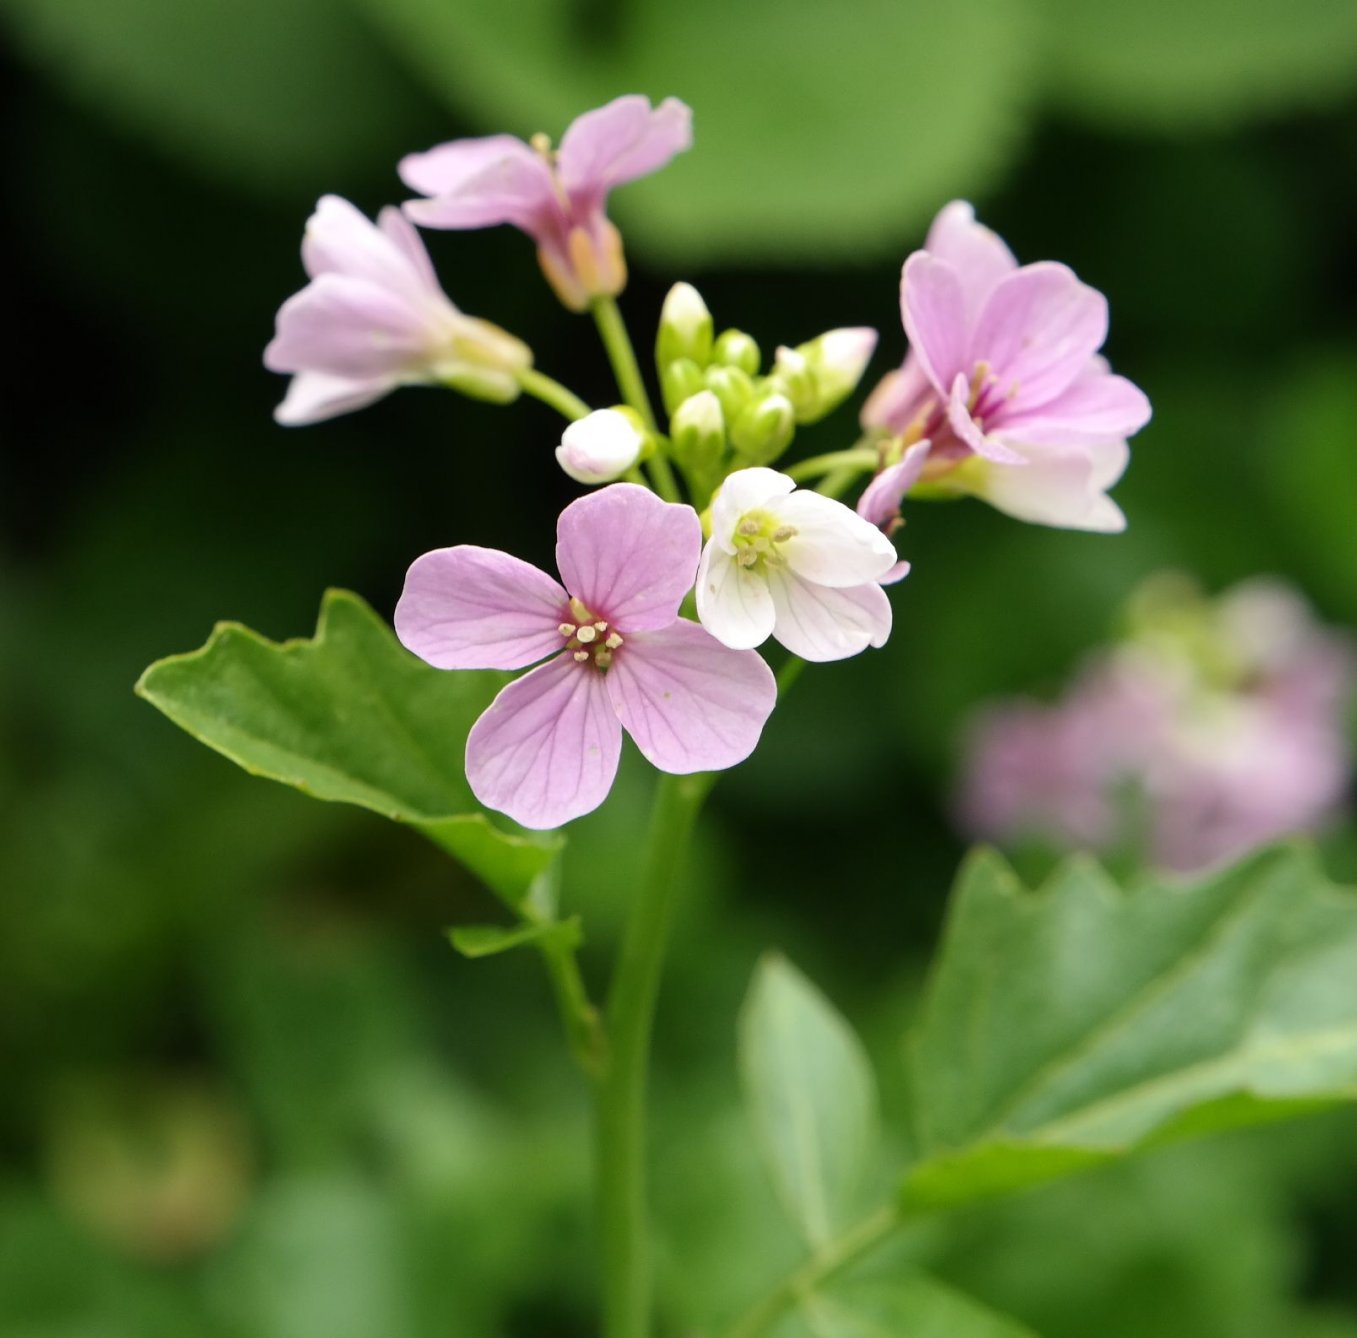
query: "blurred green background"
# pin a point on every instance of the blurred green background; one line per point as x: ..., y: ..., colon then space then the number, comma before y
x: 247, y: 1087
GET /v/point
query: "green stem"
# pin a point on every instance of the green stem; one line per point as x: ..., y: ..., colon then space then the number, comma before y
x: 859, y: 459
x: 620, y: 1092
x: 583, y: 1026
x: 817, y: 1271
x: 542, y: 387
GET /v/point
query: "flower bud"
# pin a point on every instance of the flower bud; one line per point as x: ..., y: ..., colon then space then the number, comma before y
x: 679, y: 380
x: 835, y: 361
x: 698, y: 433
x: 764, y: 430
x: 736, y: 349
x: 685, y: 328
x: 732, y: 387
x: 793, y: 376
x: 600, y: 447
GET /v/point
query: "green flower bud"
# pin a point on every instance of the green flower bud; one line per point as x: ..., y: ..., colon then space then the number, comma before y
x: 679, y: 381
x: 732, y: 387
x: 685, y: 328
x: 698, y: 434
x: 736, y: 349
x: 835, y: 361
x: 792, y: 375
x: 764, y: 430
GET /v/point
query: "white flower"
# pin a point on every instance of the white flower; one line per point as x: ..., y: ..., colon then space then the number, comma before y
x: 793, y: 565
x: 600, y: 447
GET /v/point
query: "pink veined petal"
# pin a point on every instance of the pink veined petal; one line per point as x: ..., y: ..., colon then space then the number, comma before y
x: 880, y: 500
x: 351, y: 328
x: 619, y: 142
x: 1037, y: 332
x: 960, y: 421
x: 833, y: 545
x: 546, y: 749
x: 745, y: 490
x: 690, y: 703
x: 401, y: 233
x: 339, y: 239
x: 820, y: 624
x: 629, y: 556
x: 734, y: 604
x: 313, y: 397
x: 1093, y: 406
x: 933, y: 303
x: 476, y: 608
x: 477, y: 183
x: 896, y: 574
x: 979, y: 255
x: 899, y: 398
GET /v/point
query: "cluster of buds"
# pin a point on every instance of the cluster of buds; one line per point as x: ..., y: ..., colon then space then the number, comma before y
x: 726, y: 414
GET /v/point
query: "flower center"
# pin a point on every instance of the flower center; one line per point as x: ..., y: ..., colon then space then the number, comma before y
x: 756, y: 539
x: 589, y: 640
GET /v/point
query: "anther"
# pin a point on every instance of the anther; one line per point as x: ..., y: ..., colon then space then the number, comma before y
x: 746, y: 557
x: 586, y: 635
x: 567, y: 630
x: 613, y: 641
x: 602, y: 626
x: 748, y: 527
x: 603, y: 659
x: 581, y: 656
x: 783, y: 533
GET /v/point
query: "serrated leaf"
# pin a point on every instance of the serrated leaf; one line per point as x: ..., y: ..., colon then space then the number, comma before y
x: 349, y: 715
x: 267, y: 90
x: 487, y: 940
x: 1163, y: 63
x: 915, y: 1305
x: 1076, y: 1024
x: 817, y: 131
x: 811, y: 1095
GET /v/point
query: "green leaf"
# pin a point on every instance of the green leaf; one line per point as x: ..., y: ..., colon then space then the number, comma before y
x: 811, y: 1095
x: 914, y: 1305
x: 1163, y: 63
x: 351, y: 716
x: 264, y: 89
x: 817, y: 132
x: 486, y: 940
x: 1074, y: 1025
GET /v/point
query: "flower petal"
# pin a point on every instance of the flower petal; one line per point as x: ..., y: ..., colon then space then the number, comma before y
x: 477, y: 183
x: 690, y: 703
x: 819, y: 623
x: 401, y: 233
x: 979, y: 255
x: 881, y: 498
x: 1063, y: 486
x: 833, y: 545
x: 339, y: 239
x: 314, y: 396
x: 745, y: 490
x: 969, y: 431
x: 734, y: 604
x: 629, y: 556
x: 545, y: 750
x: 933, y: 303
x: 1037, y: 332
x: 900, y: 399
x: 476, y: 608
x: 1097, y: 405
x: 618, y: 143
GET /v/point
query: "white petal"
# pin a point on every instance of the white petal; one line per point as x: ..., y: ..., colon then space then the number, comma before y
x: 833, y: 545
x: 820, y: 623
x: 733, y: 603
x: 745, y: 490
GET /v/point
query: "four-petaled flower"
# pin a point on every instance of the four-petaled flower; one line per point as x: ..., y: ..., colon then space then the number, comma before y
x: 1004, y: 378
x: 556, y: 198
x: 546, y: 749
x: 793, y: 565
x: 373, y: 318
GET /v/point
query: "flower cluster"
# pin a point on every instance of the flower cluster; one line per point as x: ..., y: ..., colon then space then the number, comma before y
x: 1003, y: 395
x: 1210, y: 729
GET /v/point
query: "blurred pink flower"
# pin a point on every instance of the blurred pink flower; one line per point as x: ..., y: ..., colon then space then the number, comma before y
x: 557, y: 198
x: 1003, y: 377
x: 1214, y: 729
x: 373, y: 318
x: 546, y: 749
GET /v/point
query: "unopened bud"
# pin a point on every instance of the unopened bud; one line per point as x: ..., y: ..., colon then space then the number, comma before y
x: 732, y: 387
x: 736, y: 349
x: 793, y: 377
x: 685, y: 328
x: 698, y: 432
x: 600, y: 447
x: 681, y: 379
x: 836, y: 361
x: 764, y: 430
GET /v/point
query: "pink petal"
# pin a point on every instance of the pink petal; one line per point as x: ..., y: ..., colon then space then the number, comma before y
x: 1093, y: 406
x: 399, y: 231
x: 933, y: 303
x: 1037, y: 332
x: 476, y: 608
x: 618, y: 143
x: 314, y: 396
x: 690, y: 703
x: 546, y: 749
x: 820, y: 624
x: 899, y: 398
x: 979, y: 256
x: 350, y: 328
x: 960, y: 421
x: 477, y: 183
x: 628, y: 556
x: 881, y: 499
x: 895, y: 574
x: 1063, y: 487
x: 339, y: 239
x: 733, y: 603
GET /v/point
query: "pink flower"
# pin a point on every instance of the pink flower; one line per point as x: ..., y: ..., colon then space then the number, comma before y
x: 881, y: 499
x: 546, y: 749
x: 373, y: 318
x: 1003, y: 376
x: 556, y: 198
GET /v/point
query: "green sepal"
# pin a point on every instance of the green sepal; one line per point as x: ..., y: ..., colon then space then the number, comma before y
x: 487, y: 940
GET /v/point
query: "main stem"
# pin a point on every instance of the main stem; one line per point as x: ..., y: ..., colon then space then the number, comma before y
x: 620, y: 1091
